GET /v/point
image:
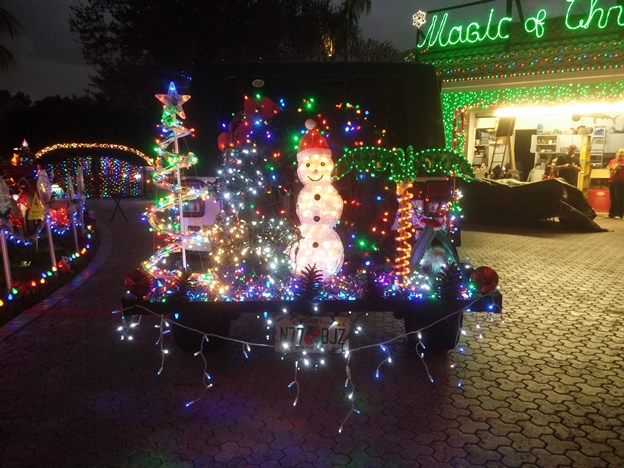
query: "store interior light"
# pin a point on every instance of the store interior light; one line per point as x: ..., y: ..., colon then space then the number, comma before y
x: 581, y: 108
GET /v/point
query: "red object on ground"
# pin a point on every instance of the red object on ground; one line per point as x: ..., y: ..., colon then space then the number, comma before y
x: 485, y: 279
x: 138, y: 283
x: 599, y: 199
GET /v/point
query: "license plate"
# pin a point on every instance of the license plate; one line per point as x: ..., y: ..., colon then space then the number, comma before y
x: 311, y: 334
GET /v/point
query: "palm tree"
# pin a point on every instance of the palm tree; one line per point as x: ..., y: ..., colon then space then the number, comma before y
x: 10, y: 26
x: 403, y: 167
x: 345, y: 24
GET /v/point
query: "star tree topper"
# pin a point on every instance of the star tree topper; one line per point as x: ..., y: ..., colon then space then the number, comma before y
x: 172, y: 101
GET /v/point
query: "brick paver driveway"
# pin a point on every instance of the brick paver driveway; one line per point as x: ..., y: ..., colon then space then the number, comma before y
x: 543, y: 388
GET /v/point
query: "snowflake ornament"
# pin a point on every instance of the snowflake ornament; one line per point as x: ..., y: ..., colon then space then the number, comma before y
x: 420, y: 18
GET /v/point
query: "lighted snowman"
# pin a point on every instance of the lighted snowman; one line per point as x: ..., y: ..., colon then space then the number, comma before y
x: 319, y: 206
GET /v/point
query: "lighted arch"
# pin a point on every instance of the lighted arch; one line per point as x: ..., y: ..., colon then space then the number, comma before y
x: 58, y: 146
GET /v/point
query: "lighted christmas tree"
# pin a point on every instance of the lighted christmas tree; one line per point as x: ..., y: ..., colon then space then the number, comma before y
x: 252, y: 235
x: 250, y: 239
x: 165, y: 216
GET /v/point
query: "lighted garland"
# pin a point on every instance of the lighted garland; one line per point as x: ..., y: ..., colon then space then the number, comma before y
x: 112, y: 146
x: 19, y: 238
x: 404, y: 231
x: 403, y: 165
x: 471, y: 66
x: 534, y: 95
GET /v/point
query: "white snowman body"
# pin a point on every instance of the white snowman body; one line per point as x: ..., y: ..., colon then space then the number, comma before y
x: 319, y: 206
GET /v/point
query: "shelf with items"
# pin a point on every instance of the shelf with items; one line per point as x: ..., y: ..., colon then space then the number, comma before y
x: 481, y: 147
x: 541, y: 144
x: 548, y: 147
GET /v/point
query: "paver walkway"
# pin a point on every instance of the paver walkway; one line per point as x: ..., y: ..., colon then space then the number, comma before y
x: 543, y: 388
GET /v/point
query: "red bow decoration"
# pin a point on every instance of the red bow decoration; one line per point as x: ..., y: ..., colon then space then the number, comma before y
x: 241, y: 124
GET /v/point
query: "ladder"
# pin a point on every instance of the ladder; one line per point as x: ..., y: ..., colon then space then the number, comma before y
x: 502, y: 150
x: 597, y: 147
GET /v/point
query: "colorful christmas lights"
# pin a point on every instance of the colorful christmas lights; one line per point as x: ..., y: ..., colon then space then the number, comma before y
x: 253, y: 240
x: 304, y: 359
x: 112, y: 146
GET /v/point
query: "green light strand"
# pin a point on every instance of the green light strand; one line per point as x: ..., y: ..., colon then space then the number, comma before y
x: 535, y: 95
x: 402, y: 165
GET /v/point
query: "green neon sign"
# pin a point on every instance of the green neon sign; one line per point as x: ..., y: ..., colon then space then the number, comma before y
x: 440, y: 34
x: 473, y: 33
x: 595, y: 13
x: 535, y: 24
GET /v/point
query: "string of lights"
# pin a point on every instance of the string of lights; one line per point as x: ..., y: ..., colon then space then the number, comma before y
x: 304, y: 359
x: 586, y: 56
x: 110, y: 146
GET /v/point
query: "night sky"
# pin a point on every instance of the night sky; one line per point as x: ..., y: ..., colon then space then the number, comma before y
x: 50, y: 61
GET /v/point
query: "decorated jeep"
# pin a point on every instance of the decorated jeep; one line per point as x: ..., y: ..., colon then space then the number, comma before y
x: 336, y: 195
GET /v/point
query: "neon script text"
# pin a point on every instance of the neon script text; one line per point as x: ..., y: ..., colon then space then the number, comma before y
x: 474, y: 32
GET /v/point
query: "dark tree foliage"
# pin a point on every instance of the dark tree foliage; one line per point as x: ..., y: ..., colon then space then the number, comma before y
x: 9, y: 26
x: 138, y: 46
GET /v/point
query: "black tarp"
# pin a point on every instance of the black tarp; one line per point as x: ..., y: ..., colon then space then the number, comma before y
x: 508, y: 202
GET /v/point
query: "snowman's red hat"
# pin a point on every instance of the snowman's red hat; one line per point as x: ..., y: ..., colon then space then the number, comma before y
x: 312, y: 142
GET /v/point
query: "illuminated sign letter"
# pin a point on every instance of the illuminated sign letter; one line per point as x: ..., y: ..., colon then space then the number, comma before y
x: 594, y: 11
x: 458, y: 30
x: 473, y: 36
x: 473, y: 33
x: 500, y: 23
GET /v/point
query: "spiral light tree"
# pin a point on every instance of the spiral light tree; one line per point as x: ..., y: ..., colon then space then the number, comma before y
x: 170, y: 161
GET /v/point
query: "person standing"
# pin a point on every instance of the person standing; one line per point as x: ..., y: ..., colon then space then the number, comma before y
x: 568, y: 166
x: 616, y: 185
